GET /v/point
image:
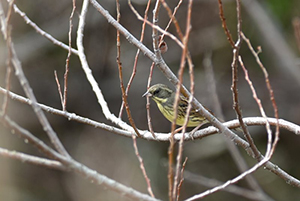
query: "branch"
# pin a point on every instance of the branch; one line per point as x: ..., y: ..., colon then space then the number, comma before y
x: 201, y: 180
x: 281, y: 53
x: 249, y: 121
x: 32, y: 159
x: 233, y: 150
x: 89, y: 75
x: 184, y: 55
x: 42, y: 32
x: 29, y: 93
x: 70, y: 164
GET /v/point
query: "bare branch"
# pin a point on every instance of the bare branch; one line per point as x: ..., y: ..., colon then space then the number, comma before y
x: 180, y: 75
x: 148, y: 102
x: 42, y: 32
x: 142, y: 166
x: 89, y: 75
x: 224, y: 24
x: 68, y: 57
x: 281, y: 53
x: 250, y: 121
x: 59, y: 90
x: 29, y: 92
x: 234, y: 151
x: 201, y: 180
x: 156, y: 27
x: 124, y: 95
x: 32, y: 159
x: 136, y: 55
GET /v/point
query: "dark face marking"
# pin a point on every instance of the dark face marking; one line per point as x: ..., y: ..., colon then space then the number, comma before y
x: 156, y: 91
x: 161, y: 92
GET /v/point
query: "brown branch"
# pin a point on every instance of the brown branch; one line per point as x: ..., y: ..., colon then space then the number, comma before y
x: 233, y: 150
x: 136, y: 55
x: 180, y: 75
x: 181, y: 178
x: 236, y: 105
x: 148, y: 101
x: 153, y: 25
x: 172, y: 18
x: 271, y: 94
x: 234, y: 89
x: 59, y: 90
x: 68, y: 57
x: 224, y: 24
x: 124, y: 96
x: 142, y: 166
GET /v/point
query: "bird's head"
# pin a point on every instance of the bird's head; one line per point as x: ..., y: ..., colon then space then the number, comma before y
x: 159, y: 93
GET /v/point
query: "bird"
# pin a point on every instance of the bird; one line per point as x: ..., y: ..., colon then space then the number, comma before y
x: 164, y: 97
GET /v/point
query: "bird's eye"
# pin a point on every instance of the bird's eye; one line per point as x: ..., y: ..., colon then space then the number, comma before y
x: 156, y: 91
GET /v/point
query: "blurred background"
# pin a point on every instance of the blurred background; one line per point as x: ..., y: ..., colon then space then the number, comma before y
x: 267, y: 23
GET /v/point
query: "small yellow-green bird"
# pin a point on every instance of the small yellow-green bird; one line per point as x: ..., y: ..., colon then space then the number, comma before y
x: 165, y: 97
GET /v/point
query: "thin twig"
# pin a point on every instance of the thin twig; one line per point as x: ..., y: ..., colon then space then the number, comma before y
x: 234, y: 66
x: 124, y: 96
x: 271, y: 94
x: 283, y: 56
x: 142, y: 166
x: 224, y: 24
x: 42, y: 32
x: 233, y: 150
x: 59, y: 89
x: 181, y: 178
x: 180, y: 75
x: 68, y: 57
x: 258, y: 101
x: 136, y: 55
x: 234, y: 189
x: 148, y: 101
x: 173, y: 18
x: 155, y: 26
x: 229, y: 182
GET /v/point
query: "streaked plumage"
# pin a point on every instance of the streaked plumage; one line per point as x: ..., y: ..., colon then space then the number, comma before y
x: 164, y: 98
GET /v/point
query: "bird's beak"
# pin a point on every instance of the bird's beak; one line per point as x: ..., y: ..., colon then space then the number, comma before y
x: 146, y: 94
